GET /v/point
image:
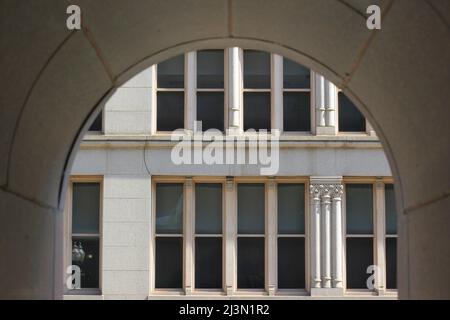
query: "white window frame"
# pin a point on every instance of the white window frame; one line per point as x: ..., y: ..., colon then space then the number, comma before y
x: 378, y: 236
x: 68, y: 233
x: 229, y: 238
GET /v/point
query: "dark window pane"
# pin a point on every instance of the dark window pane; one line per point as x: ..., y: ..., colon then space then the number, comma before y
x: 250, y: 263
x: 169, y: 208
x: 256, y: 69
x: 86, y: 255
x: 359, y: 253
x: 291, y: 208
x: 85, y: 207
x: 291, y: 263
x: 171, y: 73
x: 391, y: 213
x: 350, y: 118
x: 296, y: 111
x: 170, y: 115
x: 391, y: 263
x: 97, y: 125
x: 210, y: 69
x: 251, y: 208
x: 168, y: 262
x: 210, y: 110
x: 295, y: 75
x: 359, y: 207
x: 256, y: 110
x: 208, y: 262
x: 208, y: 208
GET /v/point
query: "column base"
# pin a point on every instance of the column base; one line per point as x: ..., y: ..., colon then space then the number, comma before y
x: 326, y: 131
x: 327, y: 292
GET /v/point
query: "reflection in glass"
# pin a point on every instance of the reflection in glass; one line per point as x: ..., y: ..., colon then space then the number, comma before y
x: 251, y: 208
x: 291, y: 208
x: 359, y: 208
x: 85, y: 207
x: 210, y: 69
x: 256, y: 69
x: 170, y: 73
x: 208, y: 208
x: 169, y: 208
x: 295, y: 75
x: 86, y: 255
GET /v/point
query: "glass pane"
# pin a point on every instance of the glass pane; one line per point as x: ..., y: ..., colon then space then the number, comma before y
x: 257, y: 110
x: 359, y: 207
x: 208, y: 208
x: 256, y: 69
x: 291, y: 263
x: 85, y: 207
x: 391, y: 263
x: 171, y: 73
x: 391, y: 213
x: 168, y: 262
x: 208, y: 263
x: 250, y: 263
x: 291, y: 208
x: 359, y: 253
x: 251, y: 208
x: 210, y: 69
x: 296, y: 111
x: 86, y: 255
x: 170, y: 114
x: 169, y: 208
x: 210, y: 110
x: 350, y: 118
x: 295, y: 75
x: 97, y: 125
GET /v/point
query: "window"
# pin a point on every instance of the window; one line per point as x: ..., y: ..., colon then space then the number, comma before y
x: 169, y: 235
x: 85, y: 220
x: 250, y: 240
x: 291, y: 235
x: 170, y: 94
x: 97, y: 125
x: 296, y: 97
x: 257, y: 90
x: 359, y: 234
x: 210, y: 89
x: 391, y: 237
x: 208, y: 235
x: 350, y: 118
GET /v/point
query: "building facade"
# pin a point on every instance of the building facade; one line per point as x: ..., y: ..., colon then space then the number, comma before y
x: 272, y: 186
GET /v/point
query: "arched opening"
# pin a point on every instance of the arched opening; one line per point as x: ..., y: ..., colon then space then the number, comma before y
x: 43, y: 124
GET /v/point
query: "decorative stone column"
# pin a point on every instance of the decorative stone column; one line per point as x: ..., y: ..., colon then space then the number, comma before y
x: 189, y: 229
x: 336, y: 236
x: 234, y: 84
x: 326, y: 236
x: 230, y: 236
x: 325, y: 100
x: 315, y: 236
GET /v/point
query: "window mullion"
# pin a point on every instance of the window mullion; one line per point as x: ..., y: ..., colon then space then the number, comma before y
x: 277, y: 92
x: 271, y: 238
x: 230, y: 239
x: 379, y: 219
x: 189, y: 245
x: 191, y: 90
